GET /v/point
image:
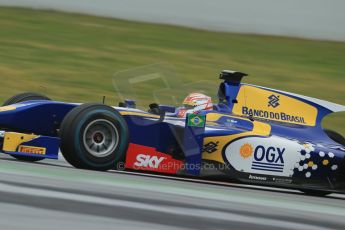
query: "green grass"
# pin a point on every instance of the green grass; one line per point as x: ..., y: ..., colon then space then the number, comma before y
x: 74, y: 57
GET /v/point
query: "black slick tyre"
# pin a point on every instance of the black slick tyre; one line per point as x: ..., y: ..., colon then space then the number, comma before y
x: 94, y: 137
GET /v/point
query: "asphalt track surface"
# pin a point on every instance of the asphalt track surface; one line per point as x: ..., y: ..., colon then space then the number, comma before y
x: 53, y: 195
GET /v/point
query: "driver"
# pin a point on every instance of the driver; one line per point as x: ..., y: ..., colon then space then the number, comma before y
x: 194, y: 103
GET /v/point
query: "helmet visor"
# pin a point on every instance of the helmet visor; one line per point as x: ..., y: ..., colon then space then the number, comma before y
x: 188, y: 107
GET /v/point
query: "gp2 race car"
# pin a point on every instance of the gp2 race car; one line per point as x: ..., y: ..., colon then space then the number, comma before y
x: 253, y: 135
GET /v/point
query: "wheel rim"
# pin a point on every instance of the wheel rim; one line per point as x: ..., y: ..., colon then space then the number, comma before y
x: 101, y: 138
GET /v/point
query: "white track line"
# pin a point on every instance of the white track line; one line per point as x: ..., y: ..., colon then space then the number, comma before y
x: 181, y: 211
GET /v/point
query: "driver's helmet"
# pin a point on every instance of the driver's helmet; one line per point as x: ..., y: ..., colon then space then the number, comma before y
x: 194, y: 103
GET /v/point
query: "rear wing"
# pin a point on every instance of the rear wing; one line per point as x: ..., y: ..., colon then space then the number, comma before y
x: 276, y: 105
x: 271, y: 104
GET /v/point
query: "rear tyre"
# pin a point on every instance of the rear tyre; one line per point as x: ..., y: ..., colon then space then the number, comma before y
x: 335, y: 136
x: 22, y: 98
x: 94, y: 136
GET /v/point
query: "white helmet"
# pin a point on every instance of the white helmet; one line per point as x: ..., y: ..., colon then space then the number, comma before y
x: 194, y: 103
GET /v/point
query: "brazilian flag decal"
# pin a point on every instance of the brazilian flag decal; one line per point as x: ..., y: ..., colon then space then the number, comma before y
x: 195, y: 120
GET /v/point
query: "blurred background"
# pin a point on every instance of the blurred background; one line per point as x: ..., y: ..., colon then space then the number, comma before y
x: 83, y: 50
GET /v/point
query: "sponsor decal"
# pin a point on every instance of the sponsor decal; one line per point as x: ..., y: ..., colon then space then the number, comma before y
x: 282, y: 180
x: 265, y: 104
x: 268, y: 159
x: 246, y: 151
x: 260, y: 178
x: 32, y: 150
x: 272, y: 115
x: 231, y: 121
x: 278, y: 180
x: 148, y: 161
x: 210, y: 147
x: 146, y: 158
x: 195, y: 120
x: 271, y: 156
x: 273, y: 101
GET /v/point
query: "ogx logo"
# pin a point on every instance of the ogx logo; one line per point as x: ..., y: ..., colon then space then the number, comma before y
x: 268, y: 159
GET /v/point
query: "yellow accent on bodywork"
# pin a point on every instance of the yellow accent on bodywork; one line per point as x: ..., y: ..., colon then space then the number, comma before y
x: 13, y: 140
x: 7, y: 108
x: 259, y: 128
x: 256, y: 99
x: 325, y: 162
x: 127, y: 113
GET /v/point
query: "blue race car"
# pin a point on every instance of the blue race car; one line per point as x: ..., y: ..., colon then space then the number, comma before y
x: 253, y: 135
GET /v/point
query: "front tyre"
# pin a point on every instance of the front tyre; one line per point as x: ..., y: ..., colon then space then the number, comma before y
x: 22, y: 97
x: 94, y: 136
